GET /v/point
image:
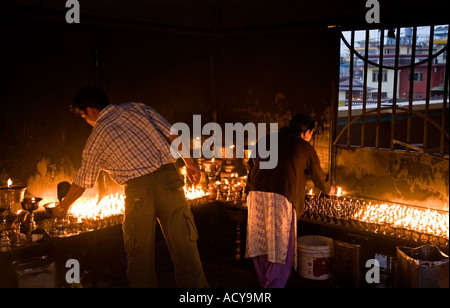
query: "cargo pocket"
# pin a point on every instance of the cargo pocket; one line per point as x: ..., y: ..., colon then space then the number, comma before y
x: 193, y: 233
x: 134, y: 201
x: 129, y: 236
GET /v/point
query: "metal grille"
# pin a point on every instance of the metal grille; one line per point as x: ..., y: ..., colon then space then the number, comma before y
x: 394, y: 115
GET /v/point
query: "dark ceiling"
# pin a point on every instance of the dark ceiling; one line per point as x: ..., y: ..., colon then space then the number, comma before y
x: 228, y: 17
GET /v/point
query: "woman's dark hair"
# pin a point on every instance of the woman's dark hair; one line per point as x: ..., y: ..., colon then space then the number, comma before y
x: 301, y: 123
x: 89, y: 97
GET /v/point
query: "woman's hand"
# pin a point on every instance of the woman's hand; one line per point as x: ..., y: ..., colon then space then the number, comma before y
x: 332, y: 191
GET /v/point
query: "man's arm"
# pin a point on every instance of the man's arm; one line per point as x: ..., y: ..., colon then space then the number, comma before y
x: 73, y: 194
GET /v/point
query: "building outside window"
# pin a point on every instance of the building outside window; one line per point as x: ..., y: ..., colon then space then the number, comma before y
x: 405, y: 109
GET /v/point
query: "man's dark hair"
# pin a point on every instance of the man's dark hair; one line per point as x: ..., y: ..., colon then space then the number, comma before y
x: 301, y: 123
x: 89, y: 97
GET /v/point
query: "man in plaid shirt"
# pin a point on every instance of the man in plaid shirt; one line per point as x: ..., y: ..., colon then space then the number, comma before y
x: 131, y: 142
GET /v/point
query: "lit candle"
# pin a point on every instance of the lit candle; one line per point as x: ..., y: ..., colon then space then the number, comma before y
x: 339, y: 191
x: 9, y: 183
x: 248, y: 154
x: 184, y: 173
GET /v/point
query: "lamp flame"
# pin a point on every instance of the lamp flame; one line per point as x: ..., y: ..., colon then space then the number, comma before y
x: 339, y: 191
x: 91, y: 209
x: 115, y: 205
x: 194, y: 193
x: 400, y: 216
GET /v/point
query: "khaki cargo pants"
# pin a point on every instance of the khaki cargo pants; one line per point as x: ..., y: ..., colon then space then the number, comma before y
x: 159, y: 196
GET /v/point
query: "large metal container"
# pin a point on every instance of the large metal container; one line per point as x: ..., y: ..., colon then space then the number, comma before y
x: 421, y: 267
x: 10, y: 196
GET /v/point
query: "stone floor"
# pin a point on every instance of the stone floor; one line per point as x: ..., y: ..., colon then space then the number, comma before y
x: 221, y: 268
x: 231, y: 274
x: 218, y: 246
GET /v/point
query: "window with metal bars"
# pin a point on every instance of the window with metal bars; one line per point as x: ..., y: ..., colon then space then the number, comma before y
x: 393, y: 90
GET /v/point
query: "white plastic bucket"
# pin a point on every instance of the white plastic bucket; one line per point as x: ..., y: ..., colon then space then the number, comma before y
x: 315, y: 254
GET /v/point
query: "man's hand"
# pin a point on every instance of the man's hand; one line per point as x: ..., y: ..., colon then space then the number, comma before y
x: 193, y: 173
x: 60, y: 212
x: 73, y: 194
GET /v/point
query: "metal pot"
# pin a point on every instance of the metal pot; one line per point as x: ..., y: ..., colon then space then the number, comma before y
x: 31, y: 204
x: 50, y: 207
x: 10, y: 196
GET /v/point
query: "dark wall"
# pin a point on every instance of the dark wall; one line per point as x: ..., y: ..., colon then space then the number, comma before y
x: 408, y: 178
x: 249, y: 78
x: 45, y: 63
x: 170, y: 72
x: 270, y: 77
x: 42, y: 65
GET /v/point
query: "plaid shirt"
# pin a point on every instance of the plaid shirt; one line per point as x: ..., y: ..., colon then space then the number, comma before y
x: 128, y: 141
